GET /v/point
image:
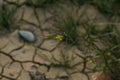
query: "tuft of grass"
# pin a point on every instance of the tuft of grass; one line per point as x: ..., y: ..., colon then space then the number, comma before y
x: 67, y: 26
x: 110, y: 62
x: 109, y: 56
x: 7, y: 17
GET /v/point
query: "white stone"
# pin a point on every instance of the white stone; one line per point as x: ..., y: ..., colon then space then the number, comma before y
x: 37, y: 32
x: 27, y: 35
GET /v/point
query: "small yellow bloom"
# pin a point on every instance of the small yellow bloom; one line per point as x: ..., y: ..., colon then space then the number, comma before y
x: 89, y: 61
x: 109, y: 54
x: 59, y: 37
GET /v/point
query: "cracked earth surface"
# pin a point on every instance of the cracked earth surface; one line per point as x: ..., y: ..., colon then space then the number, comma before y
x: 20, y: 60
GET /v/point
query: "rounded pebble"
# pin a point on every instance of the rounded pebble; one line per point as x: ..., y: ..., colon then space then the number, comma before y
x: 27, y: 35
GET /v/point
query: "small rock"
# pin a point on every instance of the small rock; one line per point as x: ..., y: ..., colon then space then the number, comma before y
x: 37, y: 32
x: 27, y: 35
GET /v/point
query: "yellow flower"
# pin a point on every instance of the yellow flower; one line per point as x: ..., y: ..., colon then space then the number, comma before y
x: 109, y: 54
x: 59, y: 37
x: 89, y: 61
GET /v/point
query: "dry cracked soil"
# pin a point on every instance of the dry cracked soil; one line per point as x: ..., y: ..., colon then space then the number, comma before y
x: 20, y: 60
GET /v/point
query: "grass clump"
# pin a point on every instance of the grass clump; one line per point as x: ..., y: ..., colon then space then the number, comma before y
x: 110, y: 62
x: 67, y: 26
x: 108, y: 57
x: 114, y: 57
x: 7, y: 17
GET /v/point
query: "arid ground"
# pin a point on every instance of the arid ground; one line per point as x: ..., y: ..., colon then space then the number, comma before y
x: 46, y: 58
